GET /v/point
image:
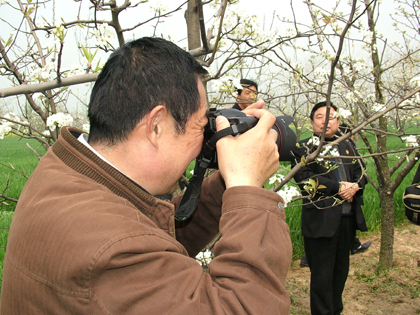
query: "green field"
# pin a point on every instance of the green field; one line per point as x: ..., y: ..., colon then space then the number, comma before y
x: 14, y: 153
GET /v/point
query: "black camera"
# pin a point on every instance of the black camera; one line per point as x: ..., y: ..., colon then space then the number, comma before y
x: 239, y: 123
x: 286, y: 138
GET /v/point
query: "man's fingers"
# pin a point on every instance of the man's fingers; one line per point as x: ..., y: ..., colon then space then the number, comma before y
x: 221, y: 123
x: 258, y: 105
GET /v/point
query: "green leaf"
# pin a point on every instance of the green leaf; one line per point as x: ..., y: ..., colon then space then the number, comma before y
x: 303, y: 160
x: 326, y: 19
x: 86, y: 52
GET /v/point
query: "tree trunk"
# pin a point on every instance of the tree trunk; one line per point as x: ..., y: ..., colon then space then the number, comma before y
x: 387, y: 231
x: 193, y: 25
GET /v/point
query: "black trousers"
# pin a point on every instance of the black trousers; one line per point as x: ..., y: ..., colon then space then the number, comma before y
x: 329, y: 261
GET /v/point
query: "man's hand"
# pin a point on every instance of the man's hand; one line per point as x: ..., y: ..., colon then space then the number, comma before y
x: 348, y: 190
x: 252, y: 157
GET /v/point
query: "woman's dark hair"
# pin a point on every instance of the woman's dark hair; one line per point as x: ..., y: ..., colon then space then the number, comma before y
x: 136, y: 78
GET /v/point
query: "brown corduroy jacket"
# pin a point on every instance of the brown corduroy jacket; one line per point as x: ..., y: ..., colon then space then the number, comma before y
x: 85, y: 239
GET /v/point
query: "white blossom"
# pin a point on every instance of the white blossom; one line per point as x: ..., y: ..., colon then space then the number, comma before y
x: 327, y: 54
x: 351, y: 97
x: 410, y: 141
x: 205, y: 257
x: 76, y: 70
x: 276, y: 178
x: 6, y: 125
x: 42, y: 74
x: 314, y: 140
x: 158, y: 7
x: 290, y: 32
x: 103, y: 34
x: 378, y: 107
x: 415, y: 81
x: 288, y: 192
x: 4, y: 130
x: 367, y: 35
x: 86, y: 127
x: 59, y: 120
x: 321, y: 75
x: 53, y: 46
x: 227, y: 85
x: 40, y: 23
x: 343, y: 113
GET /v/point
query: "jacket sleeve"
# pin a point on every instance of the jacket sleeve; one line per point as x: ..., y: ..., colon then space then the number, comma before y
x: 147, y: 273
x: 197, y: 231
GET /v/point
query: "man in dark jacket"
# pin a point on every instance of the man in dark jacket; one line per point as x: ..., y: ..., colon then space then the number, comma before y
x: 332, y: 212
x: 247, y: 95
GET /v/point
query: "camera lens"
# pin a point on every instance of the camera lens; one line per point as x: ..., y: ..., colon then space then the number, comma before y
x: 286, y: 138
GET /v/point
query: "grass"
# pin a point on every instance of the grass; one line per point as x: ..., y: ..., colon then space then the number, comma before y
x: 13, y: 154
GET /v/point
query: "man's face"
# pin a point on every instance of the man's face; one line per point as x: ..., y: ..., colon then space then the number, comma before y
x: 186, y: 147
x: 247, y: 97
x: 319, y: 121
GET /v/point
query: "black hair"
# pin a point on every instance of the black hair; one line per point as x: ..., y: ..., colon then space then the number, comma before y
x: 247, y: 83
x: 136, y: 78
x: 319, y: 105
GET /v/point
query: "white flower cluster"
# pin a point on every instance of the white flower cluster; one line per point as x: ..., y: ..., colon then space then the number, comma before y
x: 410, y: 141
x: 330, y: 151
x: 321, y: 75
x: 42, y: 74
x: 378, y: 107
x: 343, y: 113
x: 276, y: 178
x: 240, y: 24
x: 204, y: 257
x: 53, y: 46
x: 360, y: 65
x: 353, y: 96
x: 328, y: 54
x: 59, y: 120
x: 76, y: 70
x: 6, y: 125
x: 5, y: 128
x: 367, y: 35
x: 290, y: 32
x: 227, y: 85
x: 158, y: 8
x: 103, y: 34
x: 314, y: 140
x: 288, y: 192
x: 86, y: 127
x: 415, y: 82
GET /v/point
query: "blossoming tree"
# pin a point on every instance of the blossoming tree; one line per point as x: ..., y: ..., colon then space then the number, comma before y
x: 330, y: 50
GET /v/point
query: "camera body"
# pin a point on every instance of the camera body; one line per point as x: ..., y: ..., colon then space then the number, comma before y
x: 286, y: 138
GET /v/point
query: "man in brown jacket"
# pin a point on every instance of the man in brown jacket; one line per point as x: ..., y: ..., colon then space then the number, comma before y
x: 88, y: 237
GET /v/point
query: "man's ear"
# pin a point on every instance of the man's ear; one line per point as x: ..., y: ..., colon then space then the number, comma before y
x: 155, y: 121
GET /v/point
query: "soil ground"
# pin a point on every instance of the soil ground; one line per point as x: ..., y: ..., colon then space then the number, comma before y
x: 367, y: 291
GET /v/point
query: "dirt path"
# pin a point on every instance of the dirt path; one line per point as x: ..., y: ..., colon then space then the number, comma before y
x: 368, y: 292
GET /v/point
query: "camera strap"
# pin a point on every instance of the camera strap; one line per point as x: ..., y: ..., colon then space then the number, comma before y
x: 189, y: 201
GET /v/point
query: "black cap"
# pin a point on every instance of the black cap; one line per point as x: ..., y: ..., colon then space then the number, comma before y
x: 247, y: 83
